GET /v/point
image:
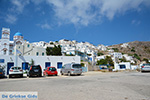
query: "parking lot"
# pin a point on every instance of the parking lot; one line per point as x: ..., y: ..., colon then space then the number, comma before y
x: 88, y: 86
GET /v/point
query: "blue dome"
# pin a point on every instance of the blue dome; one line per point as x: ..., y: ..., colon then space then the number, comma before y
x: 18, y: 34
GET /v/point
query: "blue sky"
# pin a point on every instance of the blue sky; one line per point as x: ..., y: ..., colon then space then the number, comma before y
x: 105, y: 22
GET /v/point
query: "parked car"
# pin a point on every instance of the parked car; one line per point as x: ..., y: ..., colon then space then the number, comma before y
x: 15, y: 71
x: 71, y: 69
x: 2, y: 73
x: 50, y: 71
x: 35, y: 70
x: 145, y: 68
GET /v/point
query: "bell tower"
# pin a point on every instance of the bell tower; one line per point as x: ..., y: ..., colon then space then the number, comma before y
x: 5, y: 33
x: 4, y: 41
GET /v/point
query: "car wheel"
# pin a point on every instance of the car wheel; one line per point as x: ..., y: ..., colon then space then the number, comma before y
x: 61, y: 73
x: 10, y: 76
x: 29, y: 76
x: 21, y: 75
x: 40, y: 75
x: 69, y: 74
x: 46, y: 74
x: 56, y: 75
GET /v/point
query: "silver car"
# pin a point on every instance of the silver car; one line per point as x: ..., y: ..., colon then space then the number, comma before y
x: 145, y: 68
x: 71, y: 69
x: 15, y: 71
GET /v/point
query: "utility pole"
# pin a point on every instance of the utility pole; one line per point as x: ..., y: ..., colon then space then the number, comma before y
x: 16, y: 58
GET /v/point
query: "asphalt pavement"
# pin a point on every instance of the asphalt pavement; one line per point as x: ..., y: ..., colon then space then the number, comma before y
x: 88, y: 86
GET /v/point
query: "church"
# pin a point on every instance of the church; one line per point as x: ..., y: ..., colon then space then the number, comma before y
x: 23, y: 47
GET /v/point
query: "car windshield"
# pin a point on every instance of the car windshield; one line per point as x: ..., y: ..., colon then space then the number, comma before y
x: 146, y: 64
x: 16, y: 68
x: 52, y: 69
x: 76, y: 66
x: 35, y: 67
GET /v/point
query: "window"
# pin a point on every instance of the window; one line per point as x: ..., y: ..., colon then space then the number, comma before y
x: 10, y: 51
x: 4, y: 52
x: 42, y: 53
x: 19, y: 47
x: 52, y: 69
x: 28, y: 45
x: 37, y: 53
x: 122, y: 66
x: 76, y: 66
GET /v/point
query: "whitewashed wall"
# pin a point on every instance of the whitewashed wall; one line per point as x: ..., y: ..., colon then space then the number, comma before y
x: 40, y: 60
x: 117, y: 65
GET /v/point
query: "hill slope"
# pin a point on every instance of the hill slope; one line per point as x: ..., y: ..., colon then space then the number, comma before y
x: 138, y: 48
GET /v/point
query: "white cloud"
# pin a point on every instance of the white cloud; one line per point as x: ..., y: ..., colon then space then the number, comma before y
x: 19, y: 5
x: 37, y: 2
x: 110, y: 8
x: 10, y: 19
x: 16, y: 9
x: 136, y: 22
x: 44, y: 26
x: 74, y: 11
x: 85, y: 12
x: 82, y: 12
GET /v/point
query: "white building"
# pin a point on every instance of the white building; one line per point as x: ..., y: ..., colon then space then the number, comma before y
x: 100, y: 57
x: 44, y: 61
x: 23, y: 47
x: 101, y: 47
x: 125, y: 45
x: 129, y: 58
x: 122, y: 66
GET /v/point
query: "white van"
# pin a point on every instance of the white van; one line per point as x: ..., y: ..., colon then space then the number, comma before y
x: 71, y: 69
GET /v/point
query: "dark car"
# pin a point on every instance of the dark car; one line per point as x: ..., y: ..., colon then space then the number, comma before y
x: 2, y: 73
x: 35, y: 70
x: 50, y: 71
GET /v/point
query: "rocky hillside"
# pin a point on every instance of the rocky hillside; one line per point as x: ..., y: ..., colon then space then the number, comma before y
x: 137, y: 49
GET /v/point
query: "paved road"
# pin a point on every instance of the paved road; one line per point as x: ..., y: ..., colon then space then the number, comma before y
x: 89, y: 86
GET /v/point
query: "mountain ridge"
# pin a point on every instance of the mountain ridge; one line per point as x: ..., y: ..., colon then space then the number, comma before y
x: 139, y: 48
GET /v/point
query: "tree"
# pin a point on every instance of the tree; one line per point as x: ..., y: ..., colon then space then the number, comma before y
x: 137, y: 57
x: 31, y: 62
x: 82, y: 64
x: 99, y: 54
x: 109, y: 61
x: 54, y: 51
x: 51, y: 43
x: 106, y: 61
x: 116, y: 49
x: 144, y: 59
x: 101, y: 62
x: 49, y: 51
x: 123, y: 59
x: 132, y: 50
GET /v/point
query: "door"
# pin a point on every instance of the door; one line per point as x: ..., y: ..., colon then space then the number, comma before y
x: 47, y: 64
x: 9, y: 65
x: 25, y: 65
x: 59, y: 65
